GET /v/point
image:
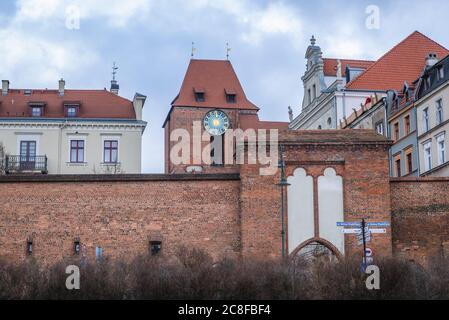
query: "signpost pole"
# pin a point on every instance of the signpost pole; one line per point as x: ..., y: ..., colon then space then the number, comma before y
x: 364, y: 241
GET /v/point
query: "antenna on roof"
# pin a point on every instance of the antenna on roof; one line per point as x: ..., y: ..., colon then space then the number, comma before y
x: 114, y: 85
x: 193, y: 49
x: 114, y: 71
x: 228, y: 49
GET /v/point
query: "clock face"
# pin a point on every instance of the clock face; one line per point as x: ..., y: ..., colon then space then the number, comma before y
x: 216, y: 122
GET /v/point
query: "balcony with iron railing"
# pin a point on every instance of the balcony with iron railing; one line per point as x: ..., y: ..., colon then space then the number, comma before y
x: 26, y: 164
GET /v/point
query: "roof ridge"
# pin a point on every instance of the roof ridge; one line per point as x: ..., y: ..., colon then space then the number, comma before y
x: 347, y: 59
x: 389, y: 51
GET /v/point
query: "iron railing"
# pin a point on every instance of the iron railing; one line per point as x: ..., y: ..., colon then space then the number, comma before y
x: 14, y: 163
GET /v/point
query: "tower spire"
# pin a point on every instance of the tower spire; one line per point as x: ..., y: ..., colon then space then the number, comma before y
x: 114, y: 85
x: 228, y: 50
x: 192, y: 54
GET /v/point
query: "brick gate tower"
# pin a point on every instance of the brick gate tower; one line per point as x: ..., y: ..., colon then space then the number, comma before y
x: 212, y: 98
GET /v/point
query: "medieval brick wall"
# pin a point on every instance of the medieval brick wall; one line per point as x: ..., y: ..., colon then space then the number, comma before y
x: 119, y: 216
x: 420, y: 217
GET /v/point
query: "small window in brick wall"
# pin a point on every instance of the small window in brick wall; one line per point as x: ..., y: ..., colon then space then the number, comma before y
x: 155, y: 247
x: 98, y: 253
x: 29, y: 248
x: 76, y: 247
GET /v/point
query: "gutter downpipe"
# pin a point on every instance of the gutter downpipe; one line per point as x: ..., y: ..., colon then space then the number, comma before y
x: 61, y: 127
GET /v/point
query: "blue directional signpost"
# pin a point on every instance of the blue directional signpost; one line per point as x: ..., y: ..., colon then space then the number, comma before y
x: 363, y: 231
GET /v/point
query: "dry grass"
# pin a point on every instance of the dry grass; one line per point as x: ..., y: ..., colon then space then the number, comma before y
x: 194, y: 275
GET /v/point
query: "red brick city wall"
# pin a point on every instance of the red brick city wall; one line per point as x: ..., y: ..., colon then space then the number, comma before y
x: 420, y: 218
x: 119, y: 216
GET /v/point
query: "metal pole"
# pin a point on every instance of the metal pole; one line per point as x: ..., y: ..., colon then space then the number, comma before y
x: 364, y: 241
x: 283, y: 229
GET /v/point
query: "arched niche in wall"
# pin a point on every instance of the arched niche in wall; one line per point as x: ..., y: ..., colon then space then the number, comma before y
x: 316, y: 248
x: 300, y: 208
x: 330, y: 208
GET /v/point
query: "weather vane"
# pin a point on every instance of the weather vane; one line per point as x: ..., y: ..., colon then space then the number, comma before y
x: 228, y: 49
x: 114, y: 71
x: 193, y: 49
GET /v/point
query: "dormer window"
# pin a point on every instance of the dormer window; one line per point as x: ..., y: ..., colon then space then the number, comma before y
x: 71, y: 110
x: 231, y: 96
x: 199, y: 94
x: 440, y: 73
x: 37, y: 109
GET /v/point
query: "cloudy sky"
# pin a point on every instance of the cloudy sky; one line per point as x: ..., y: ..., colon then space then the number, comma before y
x: 41, y: 41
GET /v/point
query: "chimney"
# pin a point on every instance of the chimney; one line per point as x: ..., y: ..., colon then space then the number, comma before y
x: 5, y: 87
x: 431, y: 60
x: 61, y: 87
x: 138, y: 102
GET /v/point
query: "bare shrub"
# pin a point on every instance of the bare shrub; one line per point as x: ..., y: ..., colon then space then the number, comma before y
x: 193, y: 274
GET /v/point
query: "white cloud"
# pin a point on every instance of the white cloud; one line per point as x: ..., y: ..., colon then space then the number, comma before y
x: 118, y: 13
x: 38, y: 60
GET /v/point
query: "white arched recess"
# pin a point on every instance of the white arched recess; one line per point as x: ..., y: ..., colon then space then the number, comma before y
x: 330, y: 208
x: 300, y: 209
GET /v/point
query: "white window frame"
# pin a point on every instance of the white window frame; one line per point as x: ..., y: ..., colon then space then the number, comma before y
x: 427, y: 148
x: 441, y: 147
x: 425, y: 118
x: 439, y: 113
x: 381, y: 126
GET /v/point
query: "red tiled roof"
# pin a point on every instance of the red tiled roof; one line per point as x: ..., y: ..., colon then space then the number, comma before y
x: 216, y: 77
x: 330, y: 66
x: 93, y: 104
x: 251, y: 121
x: 404, y: 62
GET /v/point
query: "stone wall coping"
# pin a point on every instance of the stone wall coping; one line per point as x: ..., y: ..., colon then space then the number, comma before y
x: 421, y: 179
x: 117, y: 177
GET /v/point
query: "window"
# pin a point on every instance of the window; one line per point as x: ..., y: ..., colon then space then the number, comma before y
x: 98, y: 253
x: 441, y: 149
x: 76, y: 247
x: 409, y: 160
x: 199, y: 97
x: 329, y: 121
x: 407, y: 124
x: 71, y: 111
x: 309, y: 94
x: 155, y: 247
x: 427, y: 156
x: 230, y: 98
x: 397, y: 166
x: 380, y: 128
x: 217, y: 150
x: 314, y: 92
x: 425, y: 117
x: 320, y: 127
x: 110, y: 151
x: 439, y: 111
x: 428, y: 83
x: 440, y: 73
x: 396, y: 131
x: 36, y: 111
x: 29, y: 247
x: 77, y: 151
